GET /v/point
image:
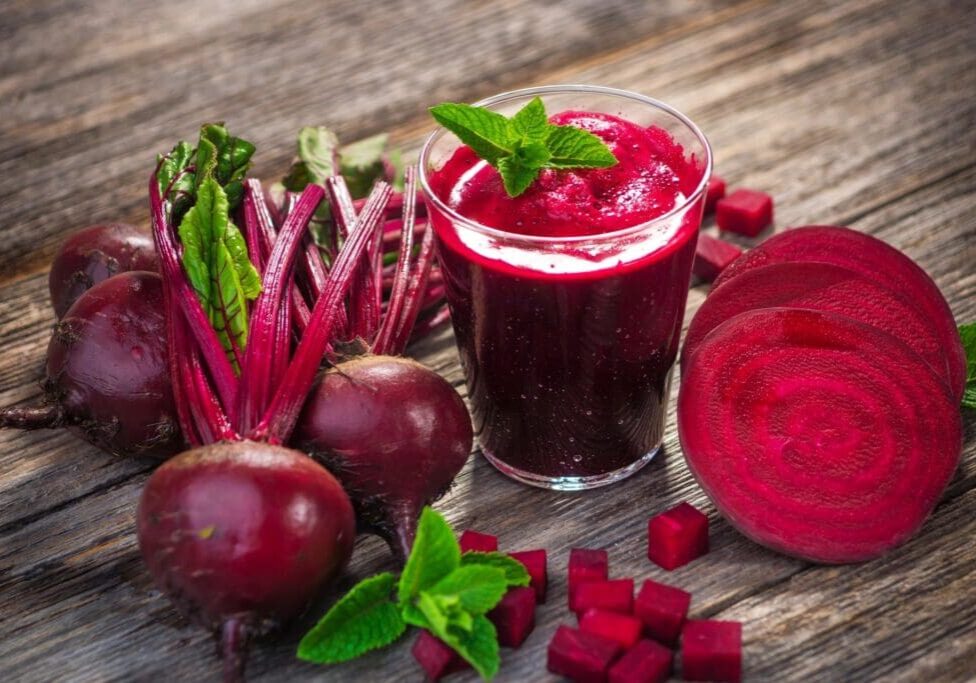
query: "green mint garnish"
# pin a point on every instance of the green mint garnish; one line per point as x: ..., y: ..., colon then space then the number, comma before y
x: 968, y: 334
x: 520, y: 147
x: 440, y: 589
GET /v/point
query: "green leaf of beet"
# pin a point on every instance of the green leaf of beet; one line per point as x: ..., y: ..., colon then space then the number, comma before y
x: 968, y: 334
x: 364, y: 619
x: 434, y: 555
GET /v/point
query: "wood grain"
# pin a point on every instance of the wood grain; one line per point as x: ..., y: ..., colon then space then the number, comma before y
x: 848, y: 112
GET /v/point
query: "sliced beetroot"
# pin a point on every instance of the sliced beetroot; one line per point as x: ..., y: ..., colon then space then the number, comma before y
x: 535, y: 563
x: 712, y: 651
x: 712, y: 256
x: 746, y: 212
x: 586, y: 564
x: 477, y: 542
x: 582, y: 657
x: 662, y: 609
x: 817, y: 435
x: 714, y: 192
x: 616, y: 596
x: 436, y: 657
x: 822, y: 287
x: 873, y: 259
x: 514, y: 616
x: 646, y: 662
x: 677, y: 536
x: 622, y: 628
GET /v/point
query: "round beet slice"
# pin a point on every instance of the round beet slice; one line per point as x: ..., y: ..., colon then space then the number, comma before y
x: 872, y: 258
x: 822, y: 287
x: 817, y: 435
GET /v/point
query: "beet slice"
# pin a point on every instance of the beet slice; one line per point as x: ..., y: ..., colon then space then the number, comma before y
x: 535, y: 563
x: 746, y: 212
x: 712, y: 651
x: 646, y: 662
x: 514, y: 616
x: 712, y: 256
x: 586, y: 564
x: 822, y: 287
x: 581, y: 657
x: 872, y: 258
x: 817, y: 435
x: 475, y: 541
x: 621, y: 628
x: 714, y: 192
x: 615, y: 596
x: 677, y: 536
x: 663, y: 609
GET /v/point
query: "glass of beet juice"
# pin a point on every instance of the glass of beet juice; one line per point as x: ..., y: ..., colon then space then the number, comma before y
x: 567, y: 301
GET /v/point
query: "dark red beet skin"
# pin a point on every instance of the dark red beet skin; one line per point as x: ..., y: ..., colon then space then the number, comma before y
x: 394, y: 432
x: 243, y: 535
x: 94, y: 254
x: 822, y: 287
x: 107, y: 374
x: 817, y: 435
x: 873, y: 259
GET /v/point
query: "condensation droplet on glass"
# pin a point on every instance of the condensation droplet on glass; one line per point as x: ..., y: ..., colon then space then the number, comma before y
x: 577, y: 458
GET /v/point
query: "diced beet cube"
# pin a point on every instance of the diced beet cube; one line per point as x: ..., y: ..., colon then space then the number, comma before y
x: 712, y: 256
x: 583, y: 657
x: 535, y: 564
x: 616, y: 596
x: 677, y: 536
x: 622, y: 628
x: 586, y: 564
x: 646, y: 662
x: 514, y: 616
x: 714, y: 192
x: 745, y: 212
x: 712, y: 651
x: 662, y: 609
x: 475, y: 541
x: 436, y: 657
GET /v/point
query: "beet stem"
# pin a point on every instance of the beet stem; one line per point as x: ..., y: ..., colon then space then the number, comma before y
x: 401, y: 279
x: 364, y: 299
x: 404, y: 521
x: 233, y: 649
x: 414, y: 297
x: 279, y: 419
x: 32, y: 417
x: 258, y: 370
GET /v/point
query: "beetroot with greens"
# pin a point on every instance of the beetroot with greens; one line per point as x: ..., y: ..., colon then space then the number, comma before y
x: 817, y: 435
x: 107, y: 374
x: 875, y: 260
x: 96, y: 253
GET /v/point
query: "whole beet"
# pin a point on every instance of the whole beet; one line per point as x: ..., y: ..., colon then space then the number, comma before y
x: 94, y: 254
x: 107, y: 373
x: 394, y: 432
x: 242, y: 536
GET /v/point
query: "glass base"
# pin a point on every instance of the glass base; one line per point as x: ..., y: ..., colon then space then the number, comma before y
x: 570, y: 483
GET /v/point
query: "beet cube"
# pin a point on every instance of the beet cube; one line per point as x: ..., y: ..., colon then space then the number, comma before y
x: 586, y: 564
x: 646, y: 662
x: 622, y: 628
x: 745, y: 212
x: 436, y: 657
x: 583, y: 657
x: 514, y: 616
x: 662, y: 609
x: 711, y: 651
x: 712, y: 256
x: 714, y: 192
x: 535, y: 564
x: 615, y: 596
x: 677, y: 536
x: 475, y: 541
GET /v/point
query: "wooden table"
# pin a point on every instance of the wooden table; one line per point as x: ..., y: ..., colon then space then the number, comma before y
x: 859, y: 113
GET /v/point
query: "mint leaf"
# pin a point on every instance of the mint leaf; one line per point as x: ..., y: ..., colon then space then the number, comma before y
x: 477, y: 588
x: 516, y: 176
x: 216, y: 262
x: 478, y: 645
x: 364, y: 619
x: 435, y: 611
x: 572, y: 147
x: 968, y: 335
x: 317, y: 158
x: 434, y: 555
x: 513, y: 570
x: 486, y: 132
x: 531, y: 122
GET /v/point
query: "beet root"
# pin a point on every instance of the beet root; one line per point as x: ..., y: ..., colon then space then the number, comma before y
x: 94, y: 254
x: 817, y: 435
x: 107, y: 373
x: 242, y: 536
x: 394, y: 432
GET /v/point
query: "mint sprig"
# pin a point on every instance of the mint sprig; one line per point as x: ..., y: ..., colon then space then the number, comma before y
x: 520, y: 147
x: 968, y: 334
x: 440, y: 589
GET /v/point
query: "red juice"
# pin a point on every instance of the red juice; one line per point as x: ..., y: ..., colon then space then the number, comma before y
x: 567, y: 301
